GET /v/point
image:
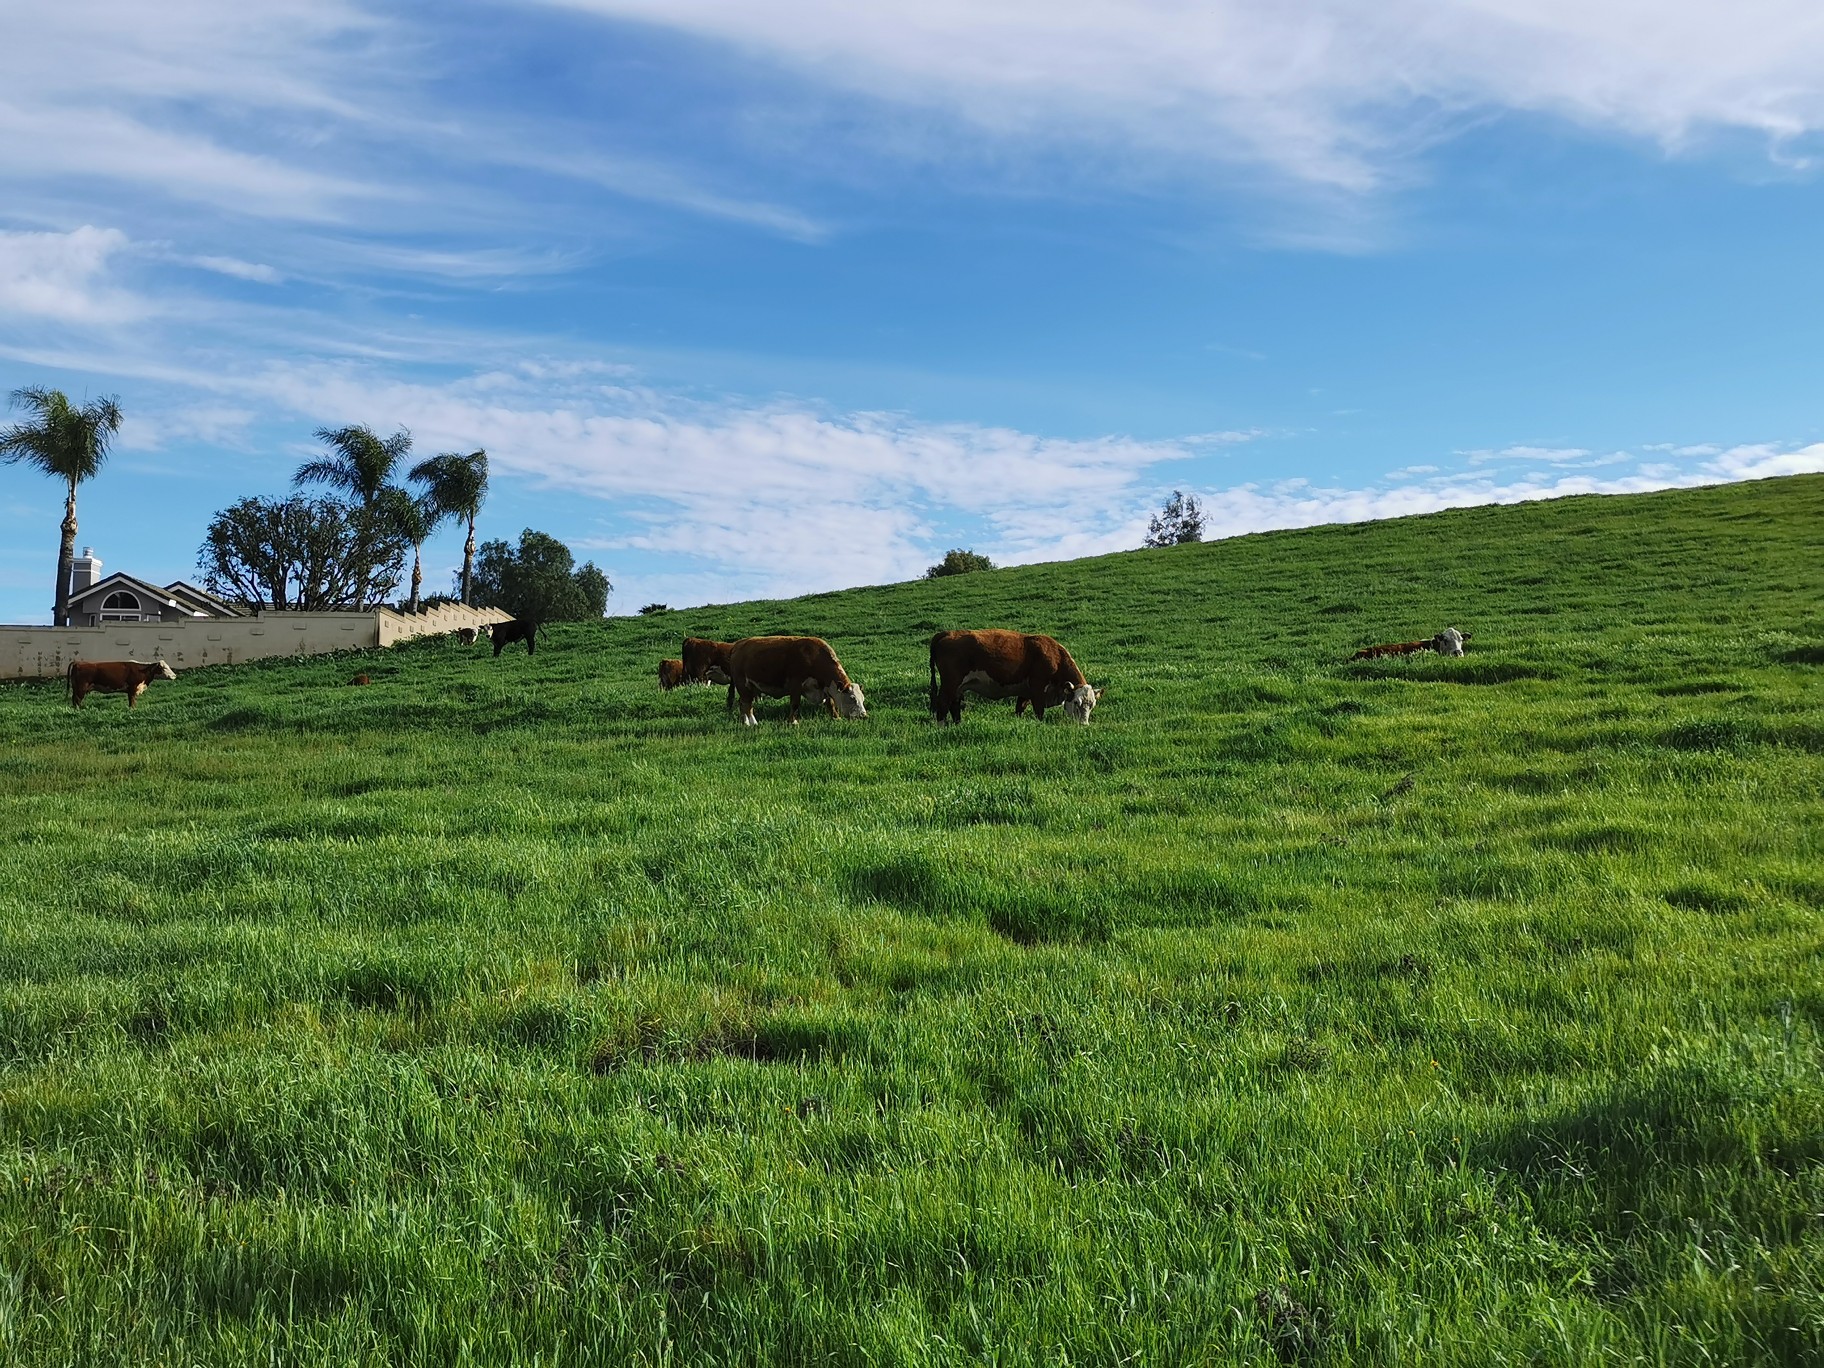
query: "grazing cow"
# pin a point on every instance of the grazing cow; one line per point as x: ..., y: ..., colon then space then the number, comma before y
x: 706, y: 661
x: 795, y: 668
x: 465, y: 636
x: 671, y: 674
x: 1448, y: 642
x: 130, y: 677
x: 360, y: 679
x: 997, y: 664
x: 519, y: 629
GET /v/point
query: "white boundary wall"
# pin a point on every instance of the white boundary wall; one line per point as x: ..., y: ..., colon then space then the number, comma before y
x: 46, y: 652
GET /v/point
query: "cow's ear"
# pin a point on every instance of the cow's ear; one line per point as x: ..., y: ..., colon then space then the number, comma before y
x: 1099, y: 692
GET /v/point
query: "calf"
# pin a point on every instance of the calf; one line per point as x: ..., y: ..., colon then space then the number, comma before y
x: 360, y: 679
x: 795, y: 668
x: 465, y: 636
x: 671, y: 674
x: 1448, y: 642
x: 519, y: 629
x: 1017, y: 665
x: 706, y: 661
x: 130, y: 677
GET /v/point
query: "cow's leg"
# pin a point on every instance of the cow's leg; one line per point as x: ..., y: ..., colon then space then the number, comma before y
x: 795, y: 698
x: 747, y: 706
x: 77, y: 694
x: 133, y: 693
x: 499, y: 645
x: 529, y: 638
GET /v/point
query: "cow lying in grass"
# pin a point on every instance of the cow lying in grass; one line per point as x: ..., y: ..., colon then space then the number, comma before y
x: 130, y: 677
x: 795, y: 668
x: 1448, y: 642
x: 1017, y: 665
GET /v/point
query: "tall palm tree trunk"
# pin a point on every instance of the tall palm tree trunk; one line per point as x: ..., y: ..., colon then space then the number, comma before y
x: 417, y: 579
x: 66, y: 561
x: 468, y: 561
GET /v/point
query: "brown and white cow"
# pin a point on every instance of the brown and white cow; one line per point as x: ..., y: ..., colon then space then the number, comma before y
x: 791, y: 667
x: 706, y: 661
x: 671, y: 674
x: 130, y: 677
x: 1448, y: 642
x: 997, y: 664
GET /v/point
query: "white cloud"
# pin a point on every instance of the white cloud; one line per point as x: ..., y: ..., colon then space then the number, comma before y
x: 240, y: 270
x: 1328, y: 92
x: 785, y: 499
x: 62, y: 277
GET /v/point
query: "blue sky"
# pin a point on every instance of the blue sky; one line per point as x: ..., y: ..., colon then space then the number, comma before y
x: 752, y: 297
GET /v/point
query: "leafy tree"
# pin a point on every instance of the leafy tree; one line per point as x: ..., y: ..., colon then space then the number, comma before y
x: 649, y: 609
x: 959, y: 562
x: 362, y: 463
x: 66, y: 443
x: 415, y: 520
x: 458, y: 485
x: 1180, y: 521
x: 539, y: 580
x: 311, y: 555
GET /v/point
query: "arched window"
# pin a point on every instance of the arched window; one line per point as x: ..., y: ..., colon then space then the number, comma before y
x: 120, y: 606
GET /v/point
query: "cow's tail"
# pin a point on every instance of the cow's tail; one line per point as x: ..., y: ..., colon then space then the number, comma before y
x: 728, y: 704
x: 69, y: 681
x: 934, y: 711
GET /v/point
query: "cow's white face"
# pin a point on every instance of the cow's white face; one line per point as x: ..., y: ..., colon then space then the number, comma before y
x: 1448, y: 642
x: 848, y: 701
x: 1080, y: 703
x: 165, y: 671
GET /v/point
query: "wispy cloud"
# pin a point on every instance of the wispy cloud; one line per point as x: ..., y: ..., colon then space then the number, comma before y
x: 64, y: 277
x: 240, y: 270
x: 1330, y: 93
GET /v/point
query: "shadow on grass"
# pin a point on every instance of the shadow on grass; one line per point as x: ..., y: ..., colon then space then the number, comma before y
x: 1705, y: 1165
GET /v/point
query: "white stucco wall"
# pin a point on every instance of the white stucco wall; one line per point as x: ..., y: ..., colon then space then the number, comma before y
x: 46, y: 652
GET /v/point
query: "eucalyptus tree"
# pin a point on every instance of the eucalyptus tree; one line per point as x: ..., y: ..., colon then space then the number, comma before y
x: 68, y: 444
x: 362, y: 462
x: 457, y: 485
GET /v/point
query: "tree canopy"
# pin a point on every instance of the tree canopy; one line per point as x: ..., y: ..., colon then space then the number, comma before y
x: 311, y: 555
x: 362, y: 462
x: 539, y: 580
x: 1180, y: 521
x: 959, y: 562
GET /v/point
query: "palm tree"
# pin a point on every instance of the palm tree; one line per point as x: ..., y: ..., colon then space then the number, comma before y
x: 415, y: 520
x: 70, y: 444
x: 457, y: 486
x: 362, y: 464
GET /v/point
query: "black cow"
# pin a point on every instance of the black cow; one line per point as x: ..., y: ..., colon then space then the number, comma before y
x: 519, y: 629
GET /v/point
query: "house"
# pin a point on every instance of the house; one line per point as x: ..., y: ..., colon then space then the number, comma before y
x: 94, y: 600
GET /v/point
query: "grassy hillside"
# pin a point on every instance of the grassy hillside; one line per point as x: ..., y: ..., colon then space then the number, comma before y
x: 1446, y: 1011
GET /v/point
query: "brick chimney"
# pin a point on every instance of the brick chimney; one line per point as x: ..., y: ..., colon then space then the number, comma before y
x: 85, y: 570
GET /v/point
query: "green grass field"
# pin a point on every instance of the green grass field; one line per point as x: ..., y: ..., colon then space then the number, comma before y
x: 1413, y: 1011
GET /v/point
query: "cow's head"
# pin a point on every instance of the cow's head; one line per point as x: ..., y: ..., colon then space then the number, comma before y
x: 1448, y: 642
x: 164, y: 670
x: 1080, y: 702
x: 847, y: 698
